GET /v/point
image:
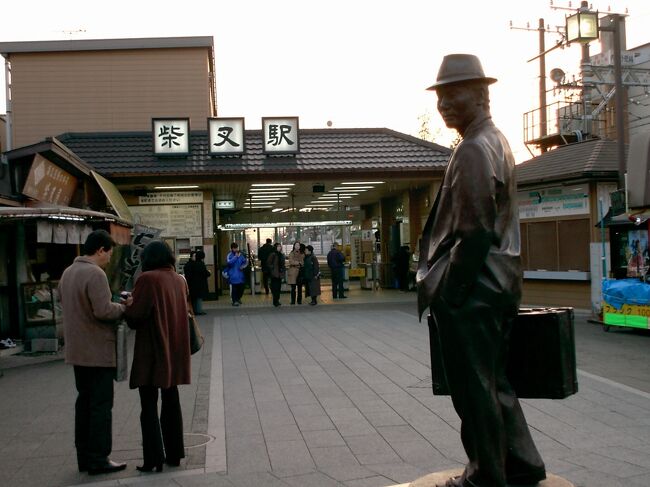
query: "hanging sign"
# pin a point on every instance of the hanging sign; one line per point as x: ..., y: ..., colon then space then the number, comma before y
x: 48, y: 182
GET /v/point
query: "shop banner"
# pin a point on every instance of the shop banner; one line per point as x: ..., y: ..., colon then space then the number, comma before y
x: 554, y: 201
x: 142, y: 235
x: 48, y: 182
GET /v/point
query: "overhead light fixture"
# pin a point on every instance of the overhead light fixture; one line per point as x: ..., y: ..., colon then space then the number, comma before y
x: 270, y: 185
x: 239, y: 226
x: 264, y: 197
x: 275, y: 210
x: 187, y: 186
x: 355, y: 188
x: 266, y: 191
x: 345, y: 190
x: 361, y: 183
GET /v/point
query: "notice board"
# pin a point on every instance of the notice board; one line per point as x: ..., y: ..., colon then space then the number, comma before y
x: 174, y: 220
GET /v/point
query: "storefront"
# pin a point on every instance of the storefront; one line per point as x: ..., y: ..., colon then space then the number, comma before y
x: 562, y: 195
x: 62, y: 201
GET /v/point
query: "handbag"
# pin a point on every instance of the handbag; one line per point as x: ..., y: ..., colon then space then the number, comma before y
x: 121, y: 353
x: 196, y: 337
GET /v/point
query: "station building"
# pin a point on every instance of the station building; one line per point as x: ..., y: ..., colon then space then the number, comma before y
x: 131, y: 126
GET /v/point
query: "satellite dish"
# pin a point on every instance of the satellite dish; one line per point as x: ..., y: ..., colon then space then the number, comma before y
x: 557, y: 75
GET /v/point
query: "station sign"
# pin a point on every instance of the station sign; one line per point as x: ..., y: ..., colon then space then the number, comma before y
x: 280, y: 135
x: 226, y: 136
x: 171, y: 136
x: 224, y: 205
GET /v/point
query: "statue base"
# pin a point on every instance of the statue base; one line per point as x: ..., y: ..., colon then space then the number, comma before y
x: 439, y: 478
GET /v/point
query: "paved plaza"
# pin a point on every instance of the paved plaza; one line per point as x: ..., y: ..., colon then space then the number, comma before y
x: 333, y: 395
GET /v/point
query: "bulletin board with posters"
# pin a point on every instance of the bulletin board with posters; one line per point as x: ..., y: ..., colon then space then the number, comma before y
x: 630, y: 254
x: 626, y: 298
x: 174, y: 220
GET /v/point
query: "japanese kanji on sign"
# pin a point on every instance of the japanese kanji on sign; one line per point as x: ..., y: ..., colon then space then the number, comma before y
x: 171, y: 136
x: 280, y: 135
x: 226, y: 136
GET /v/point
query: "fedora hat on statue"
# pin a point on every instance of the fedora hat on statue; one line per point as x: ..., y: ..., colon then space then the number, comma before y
x: 456, y: 68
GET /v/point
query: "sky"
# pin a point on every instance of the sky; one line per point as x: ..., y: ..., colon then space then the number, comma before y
x: 354, y: 63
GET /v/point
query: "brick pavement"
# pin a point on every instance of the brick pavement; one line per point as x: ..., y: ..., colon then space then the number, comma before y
x: 324, y: 396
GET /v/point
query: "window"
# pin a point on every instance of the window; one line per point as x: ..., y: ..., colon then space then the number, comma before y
x: 561, y: 245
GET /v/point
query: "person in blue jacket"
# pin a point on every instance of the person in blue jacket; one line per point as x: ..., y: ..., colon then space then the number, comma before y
x: 236, y: 263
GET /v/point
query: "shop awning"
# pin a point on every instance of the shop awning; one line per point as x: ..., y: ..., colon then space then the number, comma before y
x: 60, y: 213
x: 114, y: 197
x: 623, y: 219
x: 63, y: 225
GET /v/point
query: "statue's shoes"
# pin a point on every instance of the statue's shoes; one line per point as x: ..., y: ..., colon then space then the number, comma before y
x: 528, y: 479
x: 453, y: 482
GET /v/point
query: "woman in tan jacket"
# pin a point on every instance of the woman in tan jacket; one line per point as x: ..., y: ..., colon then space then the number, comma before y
x: 161, y: 358
x: 294, y: 271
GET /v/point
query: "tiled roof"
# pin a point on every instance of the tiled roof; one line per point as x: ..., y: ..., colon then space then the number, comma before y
x: 595, y: 158
x: 122, y: 154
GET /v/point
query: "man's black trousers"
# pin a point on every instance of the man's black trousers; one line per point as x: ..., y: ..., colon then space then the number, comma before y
x: 338, y: 274
x: 93, y: 414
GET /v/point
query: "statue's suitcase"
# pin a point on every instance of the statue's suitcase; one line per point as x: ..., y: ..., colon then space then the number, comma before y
x: 541, y: 358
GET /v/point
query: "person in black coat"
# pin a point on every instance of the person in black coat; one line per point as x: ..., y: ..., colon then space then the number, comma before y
x: 263, y: 254
x: 196, y: 274
x: 277, y: 267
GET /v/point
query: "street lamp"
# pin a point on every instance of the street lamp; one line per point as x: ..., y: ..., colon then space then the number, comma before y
x: 582, y: 27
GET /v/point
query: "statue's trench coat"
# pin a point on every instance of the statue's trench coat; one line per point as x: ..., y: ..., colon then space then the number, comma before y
x: 472, y: 233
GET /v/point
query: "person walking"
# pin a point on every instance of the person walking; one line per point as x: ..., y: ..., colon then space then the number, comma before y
x: 336, y: 263
x: 470, y: 277
x: 89, y: 330
x: 196, y: 274
x: 312, y: 275
x: 236, y: 263
x: 263, y: 254
x: 294, y: 272
x: 161, y: 356
x: 276, y: 266
x: 401, y: 262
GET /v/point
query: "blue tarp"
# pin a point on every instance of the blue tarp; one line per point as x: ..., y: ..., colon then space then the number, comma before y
x: 625, y: 291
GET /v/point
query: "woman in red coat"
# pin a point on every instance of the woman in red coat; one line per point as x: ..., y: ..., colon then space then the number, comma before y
x: 161, y: 358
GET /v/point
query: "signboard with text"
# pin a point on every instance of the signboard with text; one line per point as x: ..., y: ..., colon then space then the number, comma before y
x: 171, y: 198
x: 174, y: 220
x: 554, y: 201
x: 280, y: 135
x: 171, y: 136
x: 225, y: 136
x: 48, y: 182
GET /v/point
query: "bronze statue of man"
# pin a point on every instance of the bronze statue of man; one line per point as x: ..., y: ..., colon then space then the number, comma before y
x: 470, y: 277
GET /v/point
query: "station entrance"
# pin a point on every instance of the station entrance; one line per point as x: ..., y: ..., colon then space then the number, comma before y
x: 369, y: 190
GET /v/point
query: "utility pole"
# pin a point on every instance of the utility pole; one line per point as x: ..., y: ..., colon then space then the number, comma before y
x: 542, y: 82
x: 543, y: 115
